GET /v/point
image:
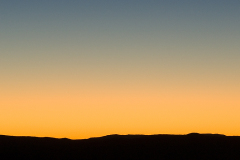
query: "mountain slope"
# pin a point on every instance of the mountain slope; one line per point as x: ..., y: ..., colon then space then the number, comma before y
x: 191, y: 146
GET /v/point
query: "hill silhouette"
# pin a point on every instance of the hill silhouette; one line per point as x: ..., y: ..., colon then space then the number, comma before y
x: 191, y: 146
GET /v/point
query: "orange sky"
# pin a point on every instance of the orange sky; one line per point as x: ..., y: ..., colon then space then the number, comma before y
x: 83, y: 113
x: 80, y: 69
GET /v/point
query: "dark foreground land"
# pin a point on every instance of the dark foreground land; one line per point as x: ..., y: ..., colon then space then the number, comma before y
x: 188, y: 147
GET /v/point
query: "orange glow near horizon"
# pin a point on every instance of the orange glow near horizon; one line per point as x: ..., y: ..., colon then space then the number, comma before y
x: 77, y: 114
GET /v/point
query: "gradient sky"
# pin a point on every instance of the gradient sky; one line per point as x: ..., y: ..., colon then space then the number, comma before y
x: 84, y: 68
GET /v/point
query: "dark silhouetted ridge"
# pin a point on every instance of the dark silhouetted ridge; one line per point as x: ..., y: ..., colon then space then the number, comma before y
x: 187, y: 147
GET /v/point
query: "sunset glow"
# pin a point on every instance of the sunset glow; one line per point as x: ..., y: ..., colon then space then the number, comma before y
x: 81, y: 69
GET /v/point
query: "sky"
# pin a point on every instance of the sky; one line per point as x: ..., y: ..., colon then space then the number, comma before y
x: 80, y: 69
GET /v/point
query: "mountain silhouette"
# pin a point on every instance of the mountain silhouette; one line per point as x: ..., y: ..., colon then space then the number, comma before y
x: 188, y: 147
